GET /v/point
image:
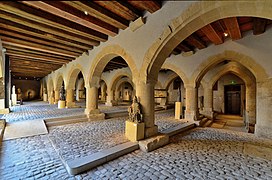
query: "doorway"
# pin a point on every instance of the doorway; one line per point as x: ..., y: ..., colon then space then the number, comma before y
x: 233, y: 99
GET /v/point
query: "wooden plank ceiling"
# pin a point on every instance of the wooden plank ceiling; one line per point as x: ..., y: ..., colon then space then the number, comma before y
x: 41, y: 36
x: 219, y: 31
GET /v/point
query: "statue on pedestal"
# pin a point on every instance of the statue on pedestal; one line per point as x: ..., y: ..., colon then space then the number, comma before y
x: 62, y: 94
x: 13, y: 90
x: 134, y: 111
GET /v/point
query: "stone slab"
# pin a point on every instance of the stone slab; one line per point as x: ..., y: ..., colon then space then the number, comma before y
x: 179, y: 129
x: 24, y: 129
x: 85, y: 163
x: 134, y: 131
x: 258, y: 150
x: 154, y: 142
x: 4, y: 111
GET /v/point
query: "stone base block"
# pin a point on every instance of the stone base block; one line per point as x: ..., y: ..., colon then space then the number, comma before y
x: 152, y: 131
x: 259, y: 151
x: 99, y: 116
x: 4, y: 111
x: 178, y: 110
x: 263, y: 131
x: 134, y: 131
x: 154, y: 142
x: 61, y: 104
x: 70, y: 104
x: 14, y: 99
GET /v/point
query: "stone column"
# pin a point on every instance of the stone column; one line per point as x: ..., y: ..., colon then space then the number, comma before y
x: 251, y: 103
x: 110, y: 98
x: 92, y: 101
x: 57, y: 96
x: 116, y: 95
x: 264, y: 103
x: 103, y: 95
x: 191, y: 103
x: 145, y: 94
x: 70, y: 98
x: 208, y: 102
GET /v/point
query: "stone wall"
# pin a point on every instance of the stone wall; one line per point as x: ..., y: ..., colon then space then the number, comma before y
x: 30, y: 88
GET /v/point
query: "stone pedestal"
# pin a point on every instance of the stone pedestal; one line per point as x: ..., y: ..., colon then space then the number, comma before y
x: 178, y: 110
x: 61, y: 104
x: 134, y: 131
x: 45, y: 97
x: 14, y: 99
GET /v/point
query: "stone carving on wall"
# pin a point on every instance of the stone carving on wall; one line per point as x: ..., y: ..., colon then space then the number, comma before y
x: 62, y: 94
x: 134, y: 111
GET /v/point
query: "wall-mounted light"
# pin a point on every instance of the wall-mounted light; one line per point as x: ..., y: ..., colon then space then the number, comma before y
x: 86, y: 13
x: 226, y: 34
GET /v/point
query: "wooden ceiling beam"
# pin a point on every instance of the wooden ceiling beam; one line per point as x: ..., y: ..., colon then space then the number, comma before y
x: 259, y: 25
x: 150, y: 6
x: 233, y: 28
x: 33, y: 63
x: 29, y: 52
x: 195, y: 41
x: 38, y: 58
x: 36, y: 46
x: 12, y: 26
x: 213, y: 36
x: 100, y: 12
x: 25, y: 67
x: 49, y: 30
x: 184, y: 47
x: 26, y: 71
x: 48, y: 19
x: 121, y: 8
x: 25, y: 37
x: 75, y: 15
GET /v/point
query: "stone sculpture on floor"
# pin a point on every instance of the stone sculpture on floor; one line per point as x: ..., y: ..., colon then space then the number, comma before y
x: 134, y: 111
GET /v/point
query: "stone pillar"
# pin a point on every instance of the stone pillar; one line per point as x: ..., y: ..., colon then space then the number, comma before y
x: 191, y: 103
x: 57, y: 96
x: 208, y: 102
x: 70, y: 98
x: 264, y: 103
x: 145, y: 94
x: 251, y: 104
x: 110, y: 98
x: 92, y: 101
x: 103, y: 95
x: 117, y: 97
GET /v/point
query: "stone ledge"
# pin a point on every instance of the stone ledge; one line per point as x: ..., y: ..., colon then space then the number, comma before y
x: 154, y: 142
x: 85, y: 163
x: 179, y: 129
x: 2, y: 129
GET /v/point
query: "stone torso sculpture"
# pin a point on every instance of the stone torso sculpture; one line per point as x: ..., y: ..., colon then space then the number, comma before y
x: 134, y: 111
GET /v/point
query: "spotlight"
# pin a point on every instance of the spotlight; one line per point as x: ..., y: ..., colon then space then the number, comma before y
x: 86, y: 13
x: 226, y: 34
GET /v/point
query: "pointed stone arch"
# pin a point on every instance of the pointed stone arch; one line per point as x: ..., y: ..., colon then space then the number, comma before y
x: 103, y: 57
x: 58, y: 82
x: 195, y: 17
x: 117, y: 77
x: 72, y: 76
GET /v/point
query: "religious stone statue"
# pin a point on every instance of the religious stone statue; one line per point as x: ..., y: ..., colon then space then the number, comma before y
x: 134, y: 111
x: 62, y: 92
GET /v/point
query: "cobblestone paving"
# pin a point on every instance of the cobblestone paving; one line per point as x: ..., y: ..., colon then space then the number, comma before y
x: 82, y: 139
x: 203, y: 153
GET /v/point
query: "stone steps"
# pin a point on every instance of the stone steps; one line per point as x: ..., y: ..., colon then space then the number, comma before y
x: 65, y: 120
x: 80, y: 165
x: 179, y: 129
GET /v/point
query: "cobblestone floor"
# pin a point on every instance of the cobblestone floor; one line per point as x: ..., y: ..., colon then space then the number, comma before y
x: 203, y: 153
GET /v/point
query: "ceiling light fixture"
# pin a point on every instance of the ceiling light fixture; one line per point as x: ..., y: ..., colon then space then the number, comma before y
x: 226, y: 34
x: 85, y: 12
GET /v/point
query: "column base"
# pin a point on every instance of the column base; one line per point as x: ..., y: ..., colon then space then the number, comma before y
x: 263, y: 131
x: 151, y: 131
x: 94, y: 114
x: 70, y: 104
x: 190, y: 115
x: 208, y: 112
x: 154, y: 142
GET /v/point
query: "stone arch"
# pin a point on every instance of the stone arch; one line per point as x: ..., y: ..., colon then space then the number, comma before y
x: 123, y: 80
x: 176, y: 70
x: 58, y: 82
x: 103, y: 57
x: 170, y: 80
x: 195, y: 17
x: 117, y: 77
x: 242, y: 59
x: 72, y: 76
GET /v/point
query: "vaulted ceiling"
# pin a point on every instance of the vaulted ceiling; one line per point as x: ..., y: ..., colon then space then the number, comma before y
x: 41, y: 36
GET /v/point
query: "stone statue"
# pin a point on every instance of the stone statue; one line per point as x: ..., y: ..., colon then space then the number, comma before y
x: 44, y: 91
x: 62, y: 92
x: 134, y: 111
x: 13, y: 90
